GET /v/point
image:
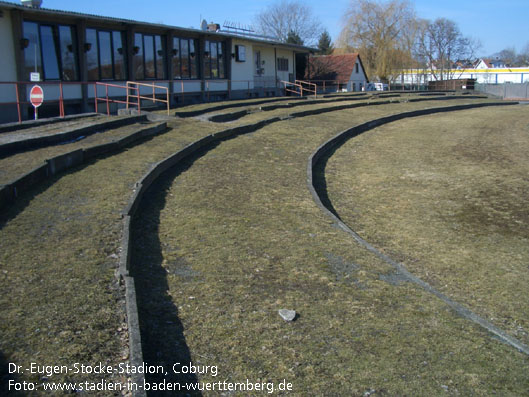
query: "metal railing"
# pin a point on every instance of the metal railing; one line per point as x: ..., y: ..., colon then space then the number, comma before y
x: 61, y: 93
x: 131, y: 85
x: 19, y: 86
x: 108, y: 100
x: 287, y: 87
x: 309, y: 87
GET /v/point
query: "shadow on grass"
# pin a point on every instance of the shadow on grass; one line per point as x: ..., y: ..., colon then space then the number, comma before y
x: 162, y: 332
x: 22, y: 201
x: 320, y: 182
x: 5, y: 377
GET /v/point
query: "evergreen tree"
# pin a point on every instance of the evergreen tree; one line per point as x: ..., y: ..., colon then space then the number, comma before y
x: 324, y: 44
x: 293, y: 38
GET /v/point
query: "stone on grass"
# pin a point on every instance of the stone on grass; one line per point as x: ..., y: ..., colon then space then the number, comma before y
x: 287, y: 315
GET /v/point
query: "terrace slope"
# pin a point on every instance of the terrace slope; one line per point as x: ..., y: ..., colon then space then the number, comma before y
x: 217, y: 254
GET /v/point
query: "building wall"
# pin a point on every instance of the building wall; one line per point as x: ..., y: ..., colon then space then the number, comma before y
x: 129, y: 40
x: 267, y: 77
x: 358, y: 80
x: 242, y: 72
x: 485, y: 76
x: 7, y: 60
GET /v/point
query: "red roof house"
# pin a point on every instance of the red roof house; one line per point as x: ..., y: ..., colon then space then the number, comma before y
x: 345, y: 72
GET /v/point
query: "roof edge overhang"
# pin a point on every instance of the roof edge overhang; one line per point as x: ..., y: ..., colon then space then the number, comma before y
x: 111, y: 20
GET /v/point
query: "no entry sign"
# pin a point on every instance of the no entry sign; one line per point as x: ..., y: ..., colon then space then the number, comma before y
x: 36, y: 96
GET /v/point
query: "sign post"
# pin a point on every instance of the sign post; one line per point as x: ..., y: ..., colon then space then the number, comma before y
x: 36, y: 96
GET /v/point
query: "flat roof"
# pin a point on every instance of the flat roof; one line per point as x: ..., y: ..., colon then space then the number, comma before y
x: 100, y: 18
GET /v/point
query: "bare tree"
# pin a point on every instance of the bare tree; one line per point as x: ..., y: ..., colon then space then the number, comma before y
x: 508, y: 56
x: 522, y: 59
x: 440, y: 44
x: 286, y: 17
x: 380, y: 32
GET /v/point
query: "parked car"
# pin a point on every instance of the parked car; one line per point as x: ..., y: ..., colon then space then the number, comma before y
x: 376, y: 87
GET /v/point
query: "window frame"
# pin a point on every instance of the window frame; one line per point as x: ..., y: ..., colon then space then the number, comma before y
x: 220, y: 58
x: 191, y: 58
x: 113, y: 51
x: 56, y: 42
x: 156, y: 39
x: 282, y: 64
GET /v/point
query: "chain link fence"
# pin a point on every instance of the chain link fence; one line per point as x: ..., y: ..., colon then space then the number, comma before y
x: 505, y: 91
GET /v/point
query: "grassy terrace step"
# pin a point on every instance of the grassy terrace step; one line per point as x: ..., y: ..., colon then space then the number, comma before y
x: 52, y: 134
x: 18, y: 164
x: 197, y: 110
x: 224, y: 117
x: 9, y: 127
x: 446, y: 194
x: 59, y: 302
x: 217, y: 254
x: 354, y: 103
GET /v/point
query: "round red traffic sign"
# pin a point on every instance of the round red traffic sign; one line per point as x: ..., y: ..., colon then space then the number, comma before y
x: 36, y: 96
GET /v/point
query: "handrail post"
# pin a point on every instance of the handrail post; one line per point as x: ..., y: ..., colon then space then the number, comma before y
x: 61, y: 101
x: 167, y: 99
x: 139, y: 101
x: 106, y: 94
x: 18, y: 103
x: 95, y: 96
x: 182, y: 88
x: 128, y: 92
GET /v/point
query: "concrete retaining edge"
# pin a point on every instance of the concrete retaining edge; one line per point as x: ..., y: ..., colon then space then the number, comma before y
x: 194, y: 113
x: 341, y: 138
x: 12, y: 190
x: 124, y: 270
x: 32, y: 143
x: 9, y: 192
x: 226, y: 117
x: 9, y: 127
x: 135, y: 347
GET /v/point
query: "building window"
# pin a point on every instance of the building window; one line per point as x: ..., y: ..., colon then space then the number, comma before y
x: 51, y: 51
x: 184, y: 59
x: 259, y: 70
x: 149, y: 57
x: 214, y: 60
x: 240, y: 53
x: 356, y: 68
x: 105, y: 58
x: 282, y: 64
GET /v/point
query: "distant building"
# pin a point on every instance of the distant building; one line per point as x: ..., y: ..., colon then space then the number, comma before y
x: 340, y: 72
x: 489, y: 64
x: 80, y: 49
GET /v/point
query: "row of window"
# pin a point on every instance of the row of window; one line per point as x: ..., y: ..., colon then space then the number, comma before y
x: 51, y: 50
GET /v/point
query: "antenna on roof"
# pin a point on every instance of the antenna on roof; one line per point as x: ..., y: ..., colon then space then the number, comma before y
x: 236, y: 27
x: 245, y: 31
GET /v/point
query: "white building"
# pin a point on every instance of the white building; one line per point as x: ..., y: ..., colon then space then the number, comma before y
x: 76, y: 50
x: 483, y: 75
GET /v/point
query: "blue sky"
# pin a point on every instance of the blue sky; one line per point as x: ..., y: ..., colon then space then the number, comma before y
x: 497, y: 24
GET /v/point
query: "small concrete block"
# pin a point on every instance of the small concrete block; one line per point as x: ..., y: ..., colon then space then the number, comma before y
x: 287, y: 315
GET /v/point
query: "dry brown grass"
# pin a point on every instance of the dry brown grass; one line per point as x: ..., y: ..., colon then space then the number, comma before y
x: 59, y: 247
x: 226, y: 240
x: 446, y: 195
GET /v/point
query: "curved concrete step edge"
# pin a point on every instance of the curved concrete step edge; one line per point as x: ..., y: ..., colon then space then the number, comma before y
x: 341, y: 138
